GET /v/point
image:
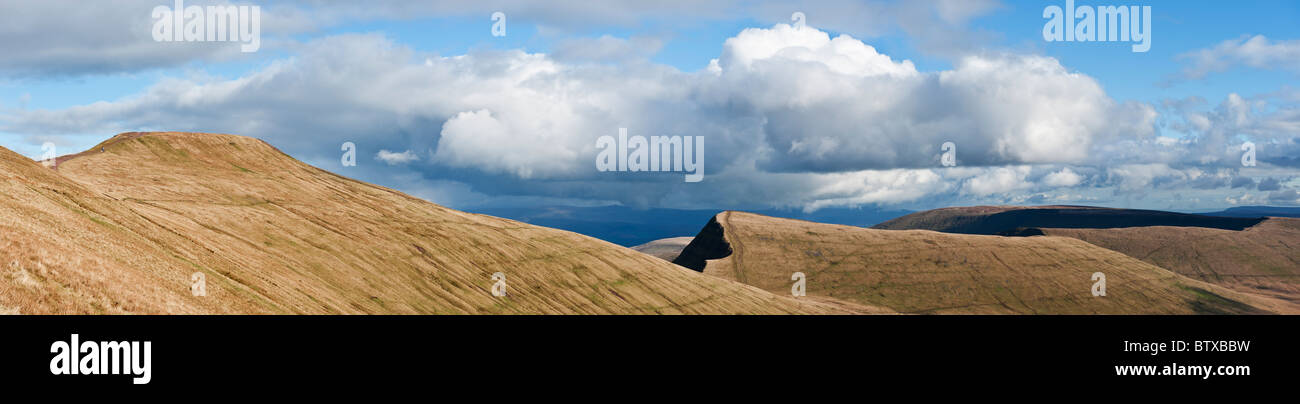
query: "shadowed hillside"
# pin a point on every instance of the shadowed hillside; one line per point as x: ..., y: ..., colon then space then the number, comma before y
x: 920, y: 271
x: 1010, y: 220
x: 121, y: 228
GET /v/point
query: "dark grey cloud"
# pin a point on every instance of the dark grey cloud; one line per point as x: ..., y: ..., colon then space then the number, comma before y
x: 63, y: 38
x: 1243, y: 182
x: 1285, y: 197
x: 1270, y: 184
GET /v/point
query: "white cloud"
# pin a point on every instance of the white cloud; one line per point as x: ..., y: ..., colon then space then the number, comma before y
x: 606, y: 49
x: 1064, y: 178
x: 784, y: 43
x: 1256, y: 52
x: 1158, y: 176
x: 833, y: 105
x: 999, y: 180
x: 1214, y: 136
x: 1167, y: 141
x: 870, y: 187
x: 394, y: 158
x: 536, y: 144
x: 934, y: 27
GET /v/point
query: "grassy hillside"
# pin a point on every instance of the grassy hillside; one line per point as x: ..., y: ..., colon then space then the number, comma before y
x: 916, y: 271
x: 1248, y: 254
x: 121, y: 227
x: 67, y: 250
x: 1263, y: 259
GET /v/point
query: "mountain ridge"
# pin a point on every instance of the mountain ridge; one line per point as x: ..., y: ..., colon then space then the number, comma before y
x: 122, y: 227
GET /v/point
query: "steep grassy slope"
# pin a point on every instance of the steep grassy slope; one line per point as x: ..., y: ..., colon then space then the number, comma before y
x: 121, y: 227
x: 66, y: 250
x: 1263, y: 259
x: 928, y: 272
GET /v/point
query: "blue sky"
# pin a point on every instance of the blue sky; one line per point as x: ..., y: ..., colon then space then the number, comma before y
x: 1159, y: 129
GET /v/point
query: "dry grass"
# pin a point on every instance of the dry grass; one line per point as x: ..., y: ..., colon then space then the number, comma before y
x: 1263, y: 259
x: 919, y: 271
x: 122, y: 230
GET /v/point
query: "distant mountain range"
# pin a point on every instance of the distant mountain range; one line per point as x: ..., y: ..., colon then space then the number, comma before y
x: 1257, y: 211
x: 1012, y: 220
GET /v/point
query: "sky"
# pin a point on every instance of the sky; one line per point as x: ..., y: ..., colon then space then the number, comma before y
x: 801, y: 105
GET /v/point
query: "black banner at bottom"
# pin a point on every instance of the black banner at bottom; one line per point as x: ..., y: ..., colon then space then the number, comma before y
x: 287, y: 352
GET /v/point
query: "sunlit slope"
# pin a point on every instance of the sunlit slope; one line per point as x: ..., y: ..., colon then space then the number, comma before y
x: 274, y: 235
x: 65, y: 250
x: 1248, y: 254
x: 1263, y: 259
x: 917, y: 271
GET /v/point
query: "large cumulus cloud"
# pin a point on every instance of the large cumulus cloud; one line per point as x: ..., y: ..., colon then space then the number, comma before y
x: 836, y: 104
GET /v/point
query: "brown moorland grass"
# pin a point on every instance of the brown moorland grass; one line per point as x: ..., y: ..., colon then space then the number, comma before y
x: 1263, y: 259
x: 121, y: 227
x: 921, y: 271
